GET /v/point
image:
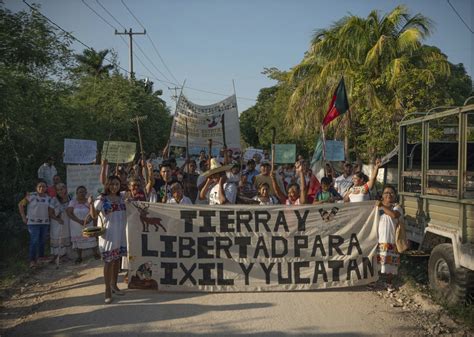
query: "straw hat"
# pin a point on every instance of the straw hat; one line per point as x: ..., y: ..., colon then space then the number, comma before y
x: 216, y: 167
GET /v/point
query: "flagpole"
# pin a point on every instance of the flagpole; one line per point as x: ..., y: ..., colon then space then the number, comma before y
x: 174, y: 117
x: 324, y: 143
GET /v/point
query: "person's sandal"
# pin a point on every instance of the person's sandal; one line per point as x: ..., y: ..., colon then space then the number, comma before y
x: 117, y: 291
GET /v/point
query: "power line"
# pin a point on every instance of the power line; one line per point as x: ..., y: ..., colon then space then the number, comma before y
x: 151, y: 62
x: 152, y: 43
x: 96, y: 13
x: 70, y: 35
x: 460, y: 17
x: 110, y: 14
x: 115, y: 63
x: 136, y: 42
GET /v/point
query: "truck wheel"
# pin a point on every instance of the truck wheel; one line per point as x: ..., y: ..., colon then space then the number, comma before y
x: 449, y: 285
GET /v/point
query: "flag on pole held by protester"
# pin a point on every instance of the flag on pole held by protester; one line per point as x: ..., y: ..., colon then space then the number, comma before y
x: 339, y: 103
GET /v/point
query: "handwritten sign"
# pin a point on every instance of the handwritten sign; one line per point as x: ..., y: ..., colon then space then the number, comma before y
x: 118, y: 152
x: 250, y: 152
x: 79, y: 151
x: 83, y: 175
x: 334, y: 150
x: 285, y: 153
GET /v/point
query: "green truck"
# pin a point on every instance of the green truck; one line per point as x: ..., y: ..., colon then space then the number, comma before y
x: 436, y: 185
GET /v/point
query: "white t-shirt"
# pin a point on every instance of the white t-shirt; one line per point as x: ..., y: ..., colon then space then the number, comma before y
x: 342, y: 184
x: 388, y: 225
x: 271, y: 201
x: 184, y: 201
x: 37, y: 209
x: 230, y: 191
x: 47, y: 173
x: 233, y: 178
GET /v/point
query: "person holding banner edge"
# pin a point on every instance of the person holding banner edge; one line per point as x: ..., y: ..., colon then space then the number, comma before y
x: 110, y: 209
x: 390, y: 215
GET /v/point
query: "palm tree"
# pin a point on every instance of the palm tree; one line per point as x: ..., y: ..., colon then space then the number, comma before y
x: 373, y: 54
x: 91, y: 62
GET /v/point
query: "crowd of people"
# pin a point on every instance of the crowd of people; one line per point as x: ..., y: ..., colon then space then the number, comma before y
x: 226, y: 179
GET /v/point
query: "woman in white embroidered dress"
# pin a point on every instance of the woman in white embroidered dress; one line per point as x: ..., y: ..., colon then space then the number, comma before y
x: 59, y: 232
x: 390, y: 214
x: 360, y: 189
x: 78, y: 212
x: 110, y: 209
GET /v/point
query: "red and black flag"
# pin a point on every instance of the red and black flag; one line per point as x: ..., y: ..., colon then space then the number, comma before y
x: 339, y: 104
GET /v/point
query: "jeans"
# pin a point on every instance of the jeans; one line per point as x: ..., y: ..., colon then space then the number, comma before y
x: 37, y: 240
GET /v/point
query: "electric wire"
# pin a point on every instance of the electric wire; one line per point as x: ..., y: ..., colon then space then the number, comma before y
x: 460, y: 17
x: 151, y: 41
x: 121, y: 37
x: 136, y: 42
x: 96, y: 13
x: 110, y: 14
x: 71, y: 35
x: 115, y: 63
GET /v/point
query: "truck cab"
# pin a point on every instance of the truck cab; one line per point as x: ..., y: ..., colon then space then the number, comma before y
x: 436, y: 189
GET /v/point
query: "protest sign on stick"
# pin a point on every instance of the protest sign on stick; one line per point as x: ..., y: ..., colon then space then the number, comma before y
x: 79, y: 151
x: 83, y: 175
x: 334, y: 150
x: 285, y: 153
x: 118, y: 152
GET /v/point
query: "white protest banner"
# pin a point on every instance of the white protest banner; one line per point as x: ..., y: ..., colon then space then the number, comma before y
x: 204, y: 123
x: 250, y: 152
x: 251, y: 248
x: 334, y: 150
x: 119, y: 152
x: 285, y: 153
x: 79, y: 151
x: 83, y: 175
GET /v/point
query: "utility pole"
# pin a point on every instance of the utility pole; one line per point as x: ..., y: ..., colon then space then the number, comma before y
x: 175, y: 96
x: 130, y: 34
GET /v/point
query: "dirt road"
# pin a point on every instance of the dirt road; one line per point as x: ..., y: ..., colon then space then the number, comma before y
x: 69, y: 302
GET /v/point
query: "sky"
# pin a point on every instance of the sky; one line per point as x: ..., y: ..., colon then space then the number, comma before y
x: 215, y: 45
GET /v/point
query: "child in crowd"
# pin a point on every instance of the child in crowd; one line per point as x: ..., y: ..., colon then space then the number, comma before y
x: 264, y: 197
x: 327, y: 193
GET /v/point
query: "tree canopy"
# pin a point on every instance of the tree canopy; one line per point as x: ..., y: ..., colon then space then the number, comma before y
x: 388, y: 71
x: 47, y: 94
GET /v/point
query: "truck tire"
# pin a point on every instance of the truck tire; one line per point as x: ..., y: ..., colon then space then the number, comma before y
x: 449, y: 284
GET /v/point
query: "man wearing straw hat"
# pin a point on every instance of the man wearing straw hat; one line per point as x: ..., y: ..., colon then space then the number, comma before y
x: 216, y: 190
